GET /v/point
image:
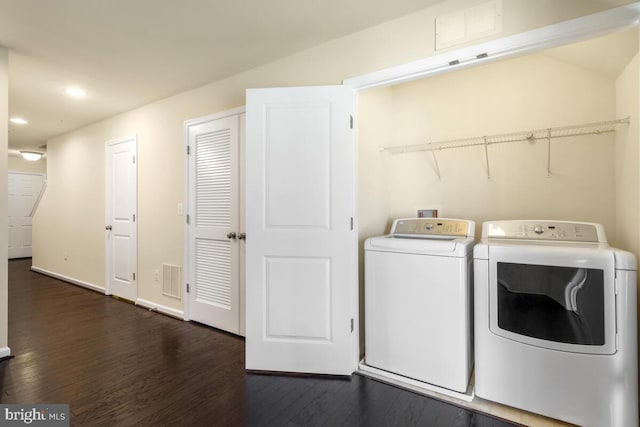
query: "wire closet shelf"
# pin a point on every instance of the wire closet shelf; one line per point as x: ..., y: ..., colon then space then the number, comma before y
x: 548, y: 134
x: 557, y: 132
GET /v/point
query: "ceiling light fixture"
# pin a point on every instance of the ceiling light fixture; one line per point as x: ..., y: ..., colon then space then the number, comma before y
x: 31, y: 156
x: 75, y: 92
x: 18, y: 120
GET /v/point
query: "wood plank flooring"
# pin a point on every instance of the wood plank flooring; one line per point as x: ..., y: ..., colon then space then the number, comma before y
x: 119, y: 365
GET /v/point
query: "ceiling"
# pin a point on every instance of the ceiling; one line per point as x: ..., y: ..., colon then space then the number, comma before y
x: 127, y: 53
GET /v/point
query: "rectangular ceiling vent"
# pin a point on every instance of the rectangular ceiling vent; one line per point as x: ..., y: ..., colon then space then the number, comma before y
x: 172, y: 280
x: 468, y: 25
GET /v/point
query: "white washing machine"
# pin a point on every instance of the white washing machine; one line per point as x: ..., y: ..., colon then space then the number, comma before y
x: 555, y: 322
x: 418, y: 301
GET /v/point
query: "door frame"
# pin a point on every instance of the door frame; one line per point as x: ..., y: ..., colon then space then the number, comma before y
x: 107, y: 255
x: 188, y: 124
x: 571, y: 31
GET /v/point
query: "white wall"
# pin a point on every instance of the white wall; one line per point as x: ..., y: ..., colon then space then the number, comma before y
x: 18, y: 164
x: 71, y: 215
x: 4, y: 227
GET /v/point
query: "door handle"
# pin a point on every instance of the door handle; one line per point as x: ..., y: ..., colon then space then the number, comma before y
x: 108, y: 228
x: 242, y: 236
x: 231, y: 235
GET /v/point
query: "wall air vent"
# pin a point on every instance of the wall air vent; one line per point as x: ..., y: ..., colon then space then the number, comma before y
x: 172, y: 281
x: 468, y: 25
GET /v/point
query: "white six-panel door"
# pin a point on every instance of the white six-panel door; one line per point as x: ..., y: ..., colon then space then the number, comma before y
x: 24, y: 190
x: 214, y: 237
x: 301, y: 278
x: 120, y: 228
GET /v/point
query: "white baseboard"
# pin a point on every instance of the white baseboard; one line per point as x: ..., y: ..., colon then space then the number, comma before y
x: 141, y: 302
x: 160, y: 308
x: 5, y: 352
x: 68, y: 279
x: 414, y: 385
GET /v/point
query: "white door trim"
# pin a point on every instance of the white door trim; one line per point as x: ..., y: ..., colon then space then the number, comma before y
x: 133, y: 138
x: 188, y: 124
x: 571, y: 31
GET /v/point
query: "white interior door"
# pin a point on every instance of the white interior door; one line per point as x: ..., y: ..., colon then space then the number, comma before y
x: 120, y: 229
x: 214, y: 221
x: 301, y: 250
x: 24, y: 191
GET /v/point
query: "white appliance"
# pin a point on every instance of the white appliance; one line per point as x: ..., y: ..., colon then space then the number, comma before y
x: 555, y: 322
x: 418, y: 301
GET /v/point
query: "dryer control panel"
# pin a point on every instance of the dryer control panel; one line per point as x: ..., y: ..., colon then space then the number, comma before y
x: 432, y: 227
x: 562, y: 231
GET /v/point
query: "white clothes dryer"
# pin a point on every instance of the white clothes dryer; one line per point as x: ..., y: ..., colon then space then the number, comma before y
x: 555, y: 322
x: 418, y: 301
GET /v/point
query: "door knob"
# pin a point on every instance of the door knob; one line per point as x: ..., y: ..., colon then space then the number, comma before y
x: 242, y: 236
x: 231, y: 235
x: 108, y: 227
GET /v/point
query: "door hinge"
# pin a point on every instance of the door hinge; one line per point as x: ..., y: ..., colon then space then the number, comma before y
x: 351, y: 122
x: 134, y: 276
x: 187, y: 288
x: 188, y: 219
x: 352, y: 322
x: 134, y: 160
x: 351, y: 220
x: 188, y: 150
x: 134, y: 217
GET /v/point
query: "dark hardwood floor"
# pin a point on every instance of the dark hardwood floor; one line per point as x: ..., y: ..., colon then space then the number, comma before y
x: 117, y: 365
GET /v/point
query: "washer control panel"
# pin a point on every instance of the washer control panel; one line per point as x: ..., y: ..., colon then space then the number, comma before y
x: 417, y: 227
x: 545, y: 230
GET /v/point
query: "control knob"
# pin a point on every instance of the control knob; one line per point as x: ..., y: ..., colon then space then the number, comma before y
x: 538, y: 229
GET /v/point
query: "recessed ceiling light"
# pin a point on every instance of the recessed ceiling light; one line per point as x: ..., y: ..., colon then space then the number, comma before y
x: 18, y: 120
x: 75, y: 92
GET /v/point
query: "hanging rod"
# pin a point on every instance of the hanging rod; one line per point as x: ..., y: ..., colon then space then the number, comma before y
x: 557, y: 132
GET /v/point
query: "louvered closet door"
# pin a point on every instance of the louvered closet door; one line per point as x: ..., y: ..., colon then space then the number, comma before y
x: 213, y: 217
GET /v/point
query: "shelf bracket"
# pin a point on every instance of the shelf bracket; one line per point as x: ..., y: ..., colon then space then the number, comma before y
x: 435, y: 160
x: 486, y: 156
x: 548, y: 152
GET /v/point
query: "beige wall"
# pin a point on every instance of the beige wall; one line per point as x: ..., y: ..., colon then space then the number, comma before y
x: 527, y: 93
x: 627, y: 160
x: 69, y: 222
x: 71, y: 215
x: 18, y: 164
x: 4, y: 238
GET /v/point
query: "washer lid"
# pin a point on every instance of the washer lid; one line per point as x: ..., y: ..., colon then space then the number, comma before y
x: 452, y: 246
